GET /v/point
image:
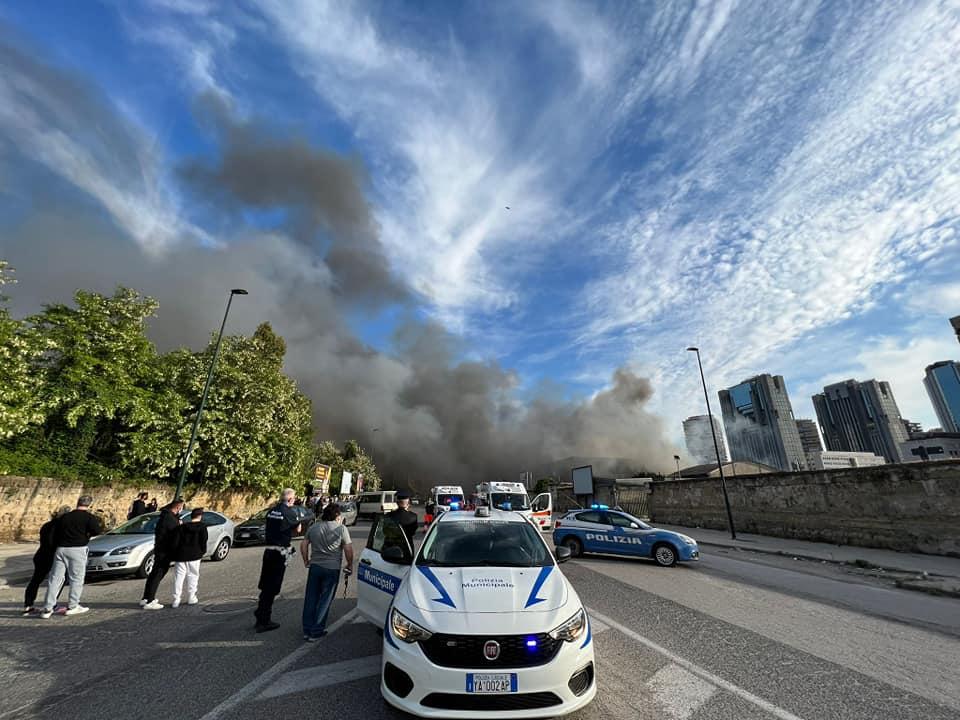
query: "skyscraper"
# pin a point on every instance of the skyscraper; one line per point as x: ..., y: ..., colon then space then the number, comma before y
x: 696, y: 431
x: 955, y: 322
x: 942, y: 381
x: 809, y: 439
x: 861, y: 417
x: 760, y: 425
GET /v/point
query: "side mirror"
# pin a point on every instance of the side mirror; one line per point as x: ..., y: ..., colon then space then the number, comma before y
x: 562, y: 554
x: 393, y: 554
x: 634, y: 526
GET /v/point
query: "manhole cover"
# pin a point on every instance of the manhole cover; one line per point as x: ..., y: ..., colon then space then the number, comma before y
x: 230, y: 606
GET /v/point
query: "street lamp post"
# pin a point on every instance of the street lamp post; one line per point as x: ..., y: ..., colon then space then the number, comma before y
x: 716, y: 445
x: 677, y: 458
x: 206, y: 390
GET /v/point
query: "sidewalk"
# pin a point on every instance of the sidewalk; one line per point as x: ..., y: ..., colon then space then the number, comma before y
x: 16, y: 563
x: 934, y: 574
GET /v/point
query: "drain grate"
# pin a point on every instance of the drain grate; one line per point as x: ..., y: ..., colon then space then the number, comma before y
x: 236, y: 605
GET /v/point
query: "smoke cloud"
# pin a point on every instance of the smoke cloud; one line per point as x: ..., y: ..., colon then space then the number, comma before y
x: 439, y: 418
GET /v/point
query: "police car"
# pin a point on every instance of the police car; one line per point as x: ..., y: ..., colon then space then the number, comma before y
x: 479, y: 622
x: 599, y: 529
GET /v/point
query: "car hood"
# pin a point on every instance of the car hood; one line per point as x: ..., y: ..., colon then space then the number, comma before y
x: 487, y: 589
x: 108, y: 542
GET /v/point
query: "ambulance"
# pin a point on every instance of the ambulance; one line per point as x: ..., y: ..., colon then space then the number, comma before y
x: 443, y: 498
x: 513, y: 496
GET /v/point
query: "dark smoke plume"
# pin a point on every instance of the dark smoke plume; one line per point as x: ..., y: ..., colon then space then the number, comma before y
x: 439, y: 418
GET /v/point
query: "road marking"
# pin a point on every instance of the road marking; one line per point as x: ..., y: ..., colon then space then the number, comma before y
x: 320, y: 676
x: 209, y: 644
x: 260, y: 682
x: 597, y: 627
x: 716, y: 680
x: 679, y: 692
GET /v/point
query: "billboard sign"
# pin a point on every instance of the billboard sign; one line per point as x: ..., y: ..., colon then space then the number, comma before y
x: 321, y: 474
x: 582, y: 480
x: 345, y: 481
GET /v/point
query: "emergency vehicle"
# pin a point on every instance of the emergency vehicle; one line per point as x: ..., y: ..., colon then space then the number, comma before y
x: 480, y: 622
x: 443, y: 498
x: 513, y: 496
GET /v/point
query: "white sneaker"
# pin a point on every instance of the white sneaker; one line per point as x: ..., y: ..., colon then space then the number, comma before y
x: 153, y: 605
x: 193, y: 601
x: 78, y: 610
x: 175, y: 604
x: 46, y: 614
x: 143, y: 602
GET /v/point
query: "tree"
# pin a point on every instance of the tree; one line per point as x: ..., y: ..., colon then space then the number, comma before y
x: 20, y: 349
x: 352, y: 458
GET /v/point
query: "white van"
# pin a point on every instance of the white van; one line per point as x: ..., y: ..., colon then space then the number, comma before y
x: 376, y: 503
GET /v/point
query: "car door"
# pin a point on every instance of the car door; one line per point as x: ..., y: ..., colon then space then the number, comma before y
x: 593, y: 530
x: 379, y: 579
x: 542, y: 509
x: 630, y: 539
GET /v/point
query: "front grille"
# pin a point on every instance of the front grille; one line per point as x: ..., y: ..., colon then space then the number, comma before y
x: 97, y: 553
x: 582, y: 681
x: 481, y: 703
x: 466, y: 651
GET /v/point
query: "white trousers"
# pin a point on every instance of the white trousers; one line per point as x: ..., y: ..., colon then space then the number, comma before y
x: 189, y: 570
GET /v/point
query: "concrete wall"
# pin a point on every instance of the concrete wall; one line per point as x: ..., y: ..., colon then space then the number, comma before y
x: 911, y: 508
x: 26, y: 503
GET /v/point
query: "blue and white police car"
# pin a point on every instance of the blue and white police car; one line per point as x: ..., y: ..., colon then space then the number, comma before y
x: 598, y: 529
x: 479, y: 622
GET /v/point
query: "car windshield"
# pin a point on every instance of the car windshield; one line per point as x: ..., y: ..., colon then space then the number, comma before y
x: 142, y: 525
x: 516, y: 501
x: 260, y: 515
x: 446, y: 499
x: 624, y: 519
x: 485, y: 543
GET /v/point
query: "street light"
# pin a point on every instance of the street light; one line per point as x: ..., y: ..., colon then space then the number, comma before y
x: 716, y: 446
x: 677, y: 458
x: 203, y: 397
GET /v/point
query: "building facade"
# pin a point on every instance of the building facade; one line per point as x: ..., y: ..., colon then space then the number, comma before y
x: 760, y: 426
x: 931, y: 446
x: 809, y: 439
x: 699, y: 439
x: 912, y: 428
x: 942, y: 380
x: 835, y: 460
x: 861, y: 417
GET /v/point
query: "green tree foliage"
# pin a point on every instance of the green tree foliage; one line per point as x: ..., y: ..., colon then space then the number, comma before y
x: 84, y: 394
x: 352, y: 459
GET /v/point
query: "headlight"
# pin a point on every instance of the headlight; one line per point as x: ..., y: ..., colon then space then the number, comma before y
x: 406, y: 629
x: 125, y: 550
x: 572, y: 629
x: 688, y: 540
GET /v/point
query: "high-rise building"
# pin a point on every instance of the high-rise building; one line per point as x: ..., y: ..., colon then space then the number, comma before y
x: 809, y: 440
x: 912, y: 428
x: 760, y: 425
x: 696, y: 431
x: 861, y: 417
x: 955, y: 321
x: 942, y: 381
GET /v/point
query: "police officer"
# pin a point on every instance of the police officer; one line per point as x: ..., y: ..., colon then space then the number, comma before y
x: 282, y: 521
x: 404, y: 517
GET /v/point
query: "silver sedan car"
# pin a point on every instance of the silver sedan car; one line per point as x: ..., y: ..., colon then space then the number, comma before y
x: 128, y: 548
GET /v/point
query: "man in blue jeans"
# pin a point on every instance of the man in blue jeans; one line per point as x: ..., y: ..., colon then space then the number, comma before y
x: 323, y: 549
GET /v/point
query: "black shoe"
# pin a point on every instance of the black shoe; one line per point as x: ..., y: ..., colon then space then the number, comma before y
x: 266, y: 627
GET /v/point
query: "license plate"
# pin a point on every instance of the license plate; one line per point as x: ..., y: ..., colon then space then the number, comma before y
x: 95, y: 568
x: 493, y: 684
x: 244, y: 535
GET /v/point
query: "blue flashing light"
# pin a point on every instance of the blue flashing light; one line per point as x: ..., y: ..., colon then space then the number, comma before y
x: 599, y: 507
x: 531, y: 643
x: 454, y: 506
x: 507, y: 506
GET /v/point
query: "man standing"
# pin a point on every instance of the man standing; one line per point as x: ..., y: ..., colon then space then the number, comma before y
x: 282, y: 520
x: 191, y: 547
x: 43, y: 559
x: 72, y: 535
x: 404, y: 517
x: 139, y: 506
x: 164, y: 547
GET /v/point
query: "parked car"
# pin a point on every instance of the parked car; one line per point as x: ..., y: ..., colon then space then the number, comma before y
x: 253, y: 531
x: 377, y: 502
x: 128, y: 548
x: 348, y: 511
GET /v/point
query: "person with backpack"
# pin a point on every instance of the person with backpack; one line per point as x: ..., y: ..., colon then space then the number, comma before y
x: 191, y: 547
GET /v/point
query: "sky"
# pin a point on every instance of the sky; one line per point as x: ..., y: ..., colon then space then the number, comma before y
x: 563, y: 189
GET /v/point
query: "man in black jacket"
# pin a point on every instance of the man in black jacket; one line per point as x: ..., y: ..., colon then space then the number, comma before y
x: 42, y: 559
x: 191, y: 547
x: 164, y: 546
x: 282, y: 522
x: 139, y: 506
x: 71, y: 535
x: 404, y: 517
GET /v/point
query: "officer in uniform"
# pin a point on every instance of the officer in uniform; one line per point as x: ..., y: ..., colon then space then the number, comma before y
x: 404, y: 517
x: 281, y: 523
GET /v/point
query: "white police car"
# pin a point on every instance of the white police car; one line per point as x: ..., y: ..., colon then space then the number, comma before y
x: 599, y: 529
x: 480, y: 623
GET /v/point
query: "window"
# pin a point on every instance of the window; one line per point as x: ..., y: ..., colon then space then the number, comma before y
x: 387, y: 533
x: 625, y: 521
x: 213, y: 518
x: 590, y: 517
x: 482, y: 543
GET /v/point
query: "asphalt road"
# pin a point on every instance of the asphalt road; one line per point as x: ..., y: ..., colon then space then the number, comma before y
x: 730, y: 637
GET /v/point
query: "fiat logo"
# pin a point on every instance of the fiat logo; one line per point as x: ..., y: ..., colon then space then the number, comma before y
x: 491, y: 650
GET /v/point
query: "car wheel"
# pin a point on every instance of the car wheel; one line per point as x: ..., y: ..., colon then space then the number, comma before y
x: 221, y: 551
x: 146, y: 567
x: 665, y: 555
x: 573, y: 545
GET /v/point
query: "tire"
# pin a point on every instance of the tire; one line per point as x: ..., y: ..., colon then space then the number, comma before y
x: 665, y: 555
x: 221, y: 551
x: 573, y: 544
x: 146, y: 566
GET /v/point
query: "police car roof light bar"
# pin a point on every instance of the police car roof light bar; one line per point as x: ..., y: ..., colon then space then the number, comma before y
x: 599, y: 507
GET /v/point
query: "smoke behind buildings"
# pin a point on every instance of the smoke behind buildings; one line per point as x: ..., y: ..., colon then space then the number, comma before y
x: 309, y: 270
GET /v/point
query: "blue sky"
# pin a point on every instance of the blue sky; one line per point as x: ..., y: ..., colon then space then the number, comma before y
x: 776, y: 183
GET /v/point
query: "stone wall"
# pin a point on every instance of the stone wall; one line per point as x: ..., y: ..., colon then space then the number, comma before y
x: 911, y: 508
x: 27, y: 502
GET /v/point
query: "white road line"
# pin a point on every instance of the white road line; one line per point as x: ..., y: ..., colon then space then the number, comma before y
x: 262, y: 681
x: 679, y: 692
x: 209, y: 644
x: 716, y: 680
x: 320, y: 676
